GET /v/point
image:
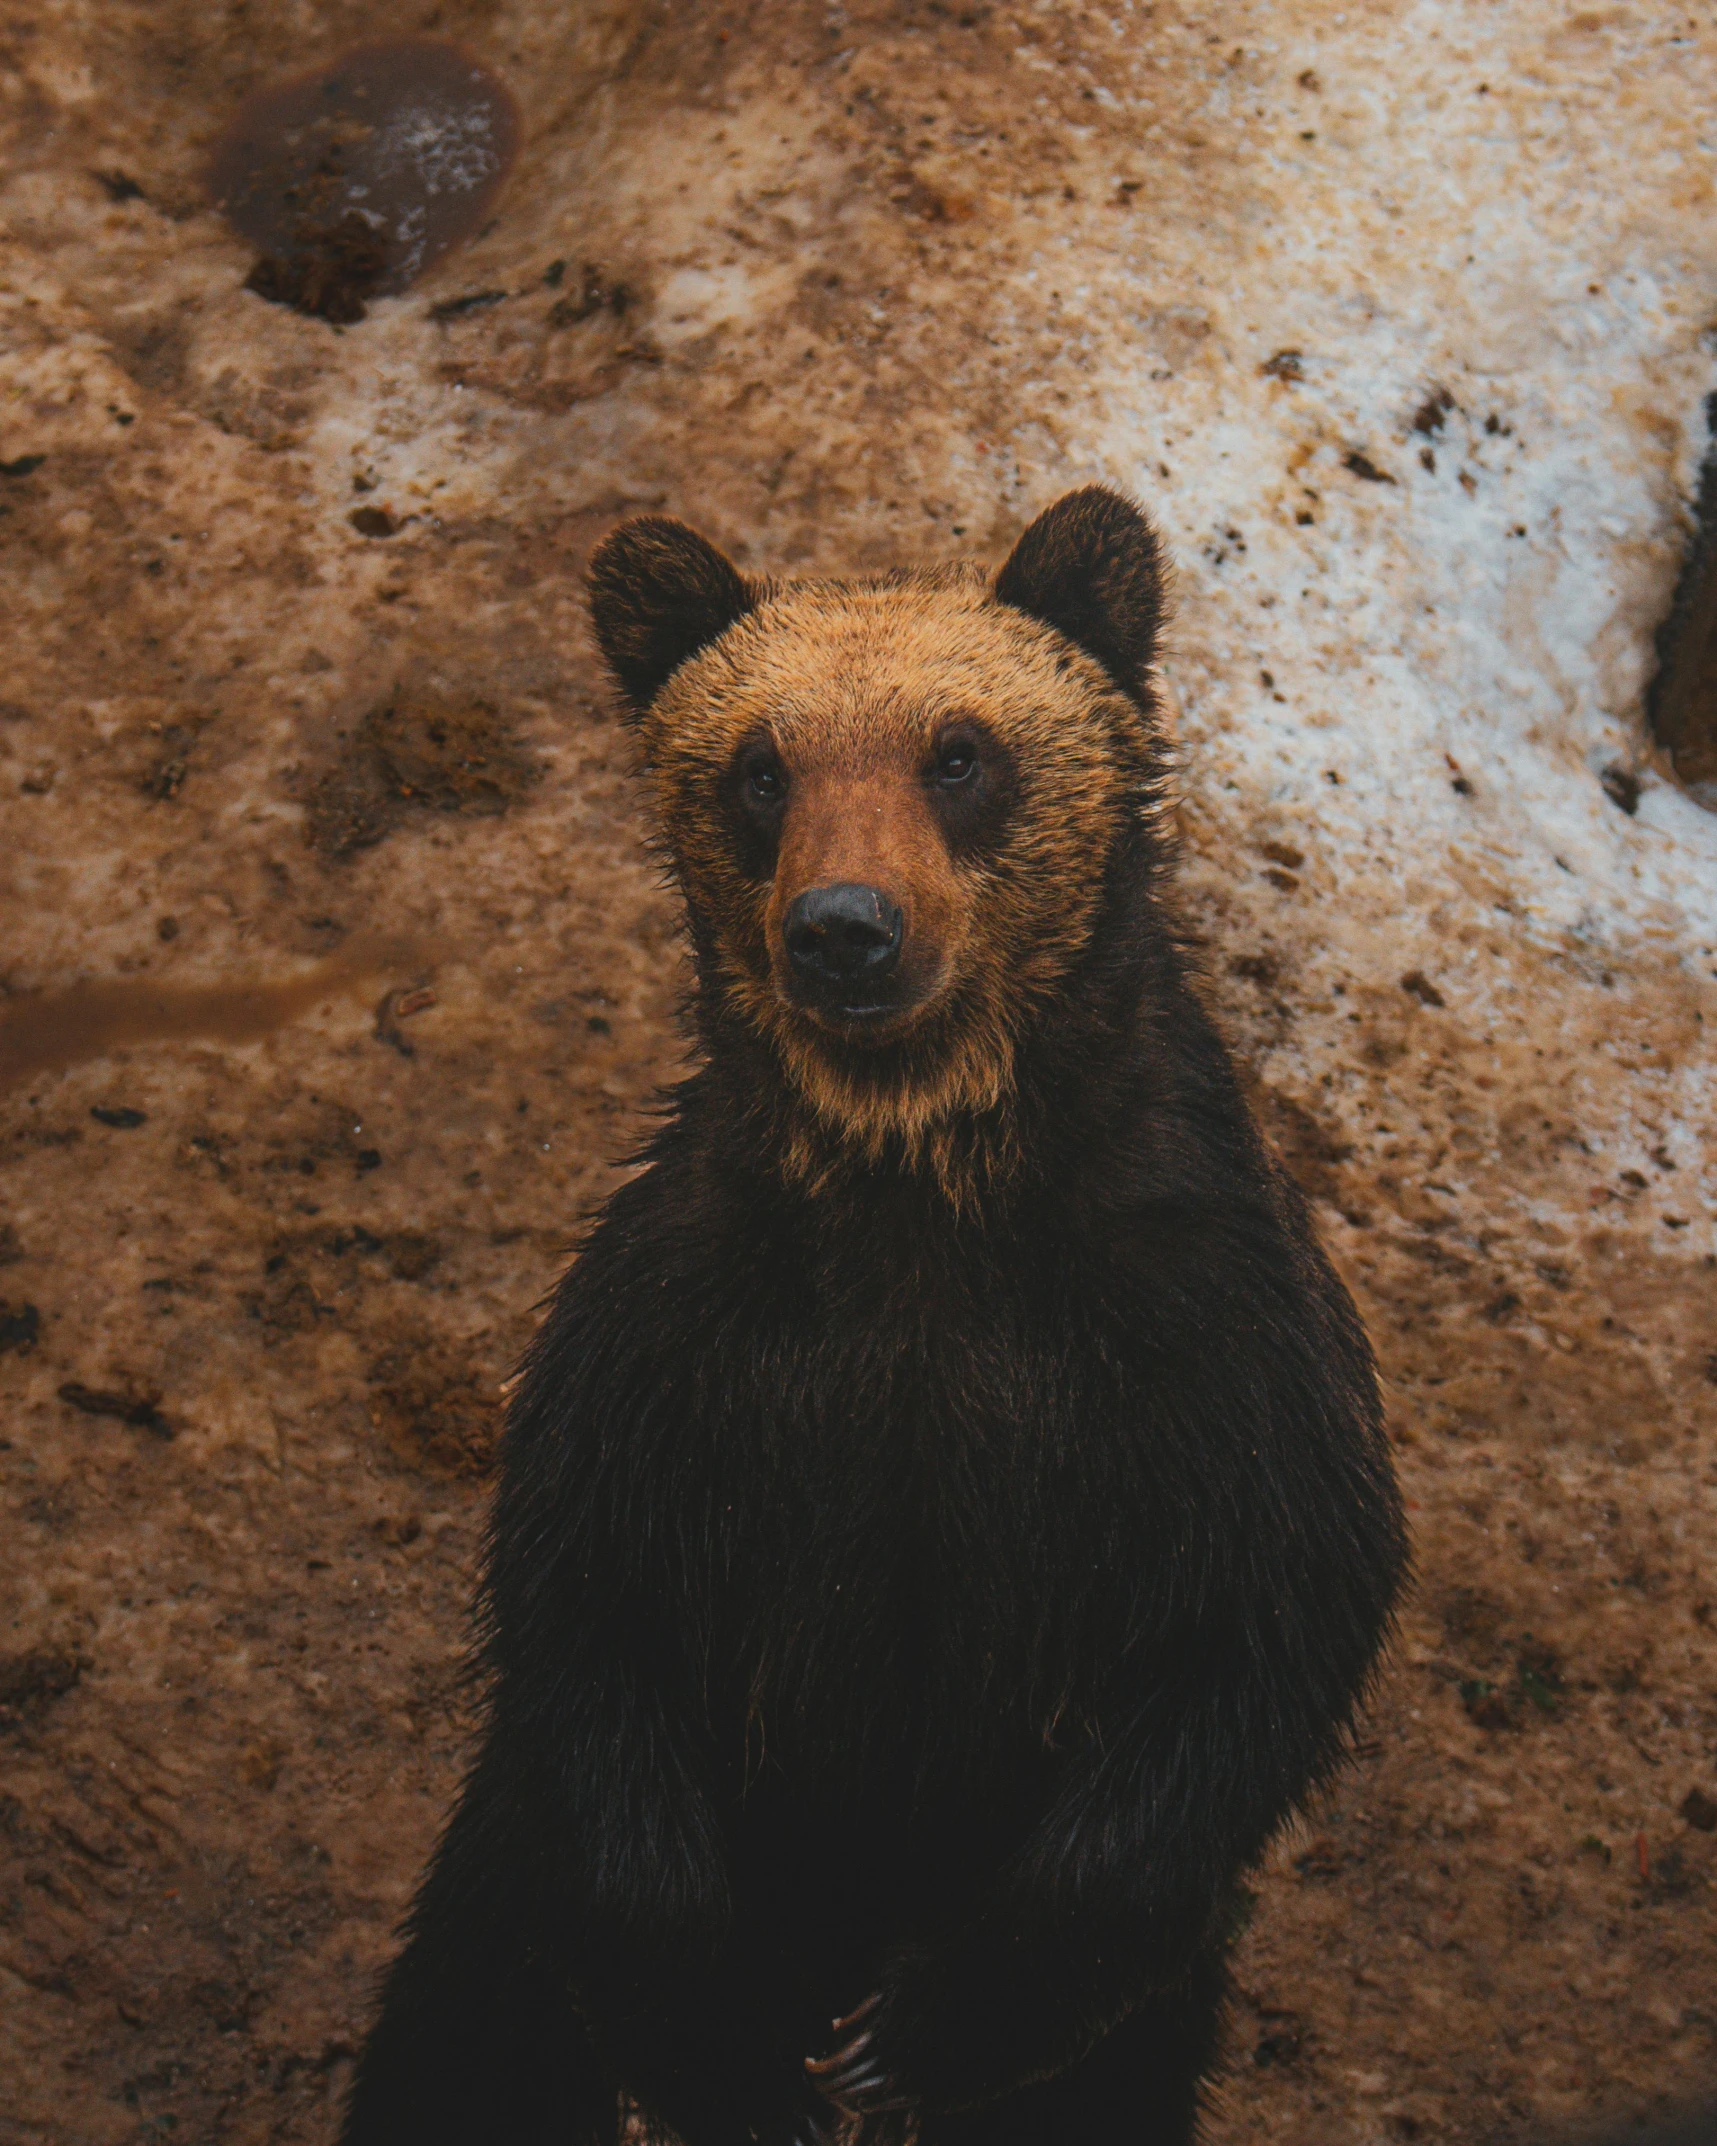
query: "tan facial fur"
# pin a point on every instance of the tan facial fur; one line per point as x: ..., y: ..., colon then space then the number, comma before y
x: 850, y: 687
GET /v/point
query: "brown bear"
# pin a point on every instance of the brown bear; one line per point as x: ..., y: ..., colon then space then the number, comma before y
x: 944, y: 1523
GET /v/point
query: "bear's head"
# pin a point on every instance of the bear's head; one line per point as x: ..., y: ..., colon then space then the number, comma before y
x: 892, y: 805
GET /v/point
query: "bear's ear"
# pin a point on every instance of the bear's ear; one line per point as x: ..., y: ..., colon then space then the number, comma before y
x: 658, y: 593
x: 1091, y: 566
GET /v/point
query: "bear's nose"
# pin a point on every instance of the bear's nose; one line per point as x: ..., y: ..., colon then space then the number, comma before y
x: 842, y: 936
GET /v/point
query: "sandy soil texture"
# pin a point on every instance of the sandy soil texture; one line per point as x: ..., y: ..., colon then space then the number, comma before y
x: 335, y: 980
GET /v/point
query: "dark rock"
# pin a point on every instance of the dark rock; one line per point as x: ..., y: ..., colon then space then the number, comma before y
x: 1362, y: 465
x: 1682, y: 703
x: 1622, y: 787
x: 138, y: 1408
x: 38, y: 1675
x: 19, y: 1326
x: 1700, y: 1811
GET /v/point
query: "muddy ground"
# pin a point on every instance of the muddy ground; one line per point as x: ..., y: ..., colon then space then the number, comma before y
x: 336, y: 980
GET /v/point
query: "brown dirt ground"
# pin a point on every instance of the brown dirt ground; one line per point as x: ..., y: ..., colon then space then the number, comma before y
x: 321, y: 857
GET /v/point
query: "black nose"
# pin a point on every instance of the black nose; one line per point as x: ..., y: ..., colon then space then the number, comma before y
x: 842, y: 940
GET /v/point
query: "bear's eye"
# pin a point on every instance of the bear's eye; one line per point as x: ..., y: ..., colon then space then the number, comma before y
x: 765, y: 780
x: 971, y: 785
x: 754, y: 801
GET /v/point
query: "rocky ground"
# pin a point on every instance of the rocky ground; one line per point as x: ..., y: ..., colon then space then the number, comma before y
x: 336, y: 980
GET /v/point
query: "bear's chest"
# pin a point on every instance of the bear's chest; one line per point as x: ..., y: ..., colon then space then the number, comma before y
x: 924, y: 1511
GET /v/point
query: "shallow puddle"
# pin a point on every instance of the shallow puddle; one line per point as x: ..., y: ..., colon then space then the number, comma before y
x: 354, y: 178
x: 52, y: 1030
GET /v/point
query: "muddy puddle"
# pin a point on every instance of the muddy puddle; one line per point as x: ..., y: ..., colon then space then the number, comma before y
x: 49, y: 1031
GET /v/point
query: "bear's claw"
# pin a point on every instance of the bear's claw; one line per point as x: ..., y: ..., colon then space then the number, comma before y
x: 853, y: 2075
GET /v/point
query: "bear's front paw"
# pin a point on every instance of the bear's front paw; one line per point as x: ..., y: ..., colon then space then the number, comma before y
x: 956, y: 2027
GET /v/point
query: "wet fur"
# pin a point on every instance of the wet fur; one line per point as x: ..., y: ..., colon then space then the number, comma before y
x: 945, y: 1523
